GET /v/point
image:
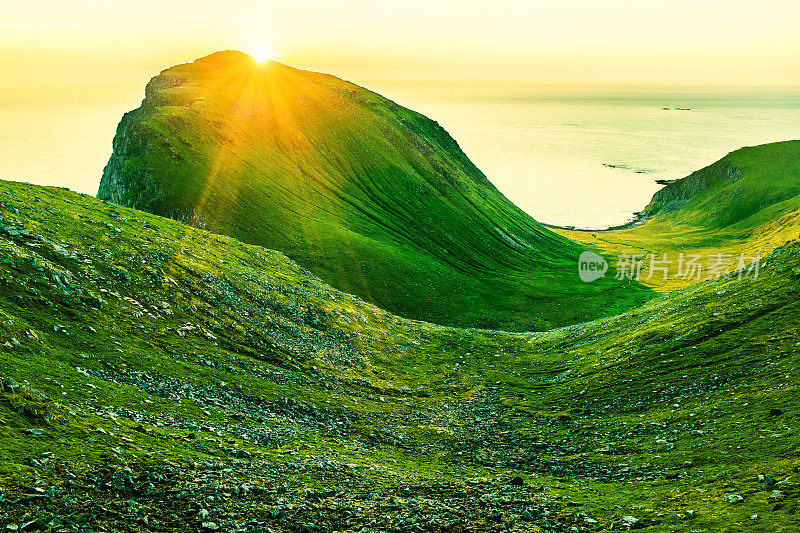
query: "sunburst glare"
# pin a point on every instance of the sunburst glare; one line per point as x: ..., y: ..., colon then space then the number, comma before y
x: 261, y: 52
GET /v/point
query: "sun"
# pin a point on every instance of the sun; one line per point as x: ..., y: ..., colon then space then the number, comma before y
x: 261, y: 52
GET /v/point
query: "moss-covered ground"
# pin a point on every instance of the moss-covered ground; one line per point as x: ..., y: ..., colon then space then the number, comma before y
x: 160, y: 377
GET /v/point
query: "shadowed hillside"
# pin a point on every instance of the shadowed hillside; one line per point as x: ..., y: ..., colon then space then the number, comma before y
x: 377, y: 200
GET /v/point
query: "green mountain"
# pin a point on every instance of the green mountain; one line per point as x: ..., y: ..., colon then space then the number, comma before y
x: 745, y: 189
x: 747, y: 203
x: 158, y: 377
x: 377, y: 200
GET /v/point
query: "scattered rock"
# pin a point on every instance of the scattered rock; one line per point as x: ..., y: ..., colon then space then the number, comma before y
x: 766, y: 479
x: 733, y: 498
x: 10, y: 385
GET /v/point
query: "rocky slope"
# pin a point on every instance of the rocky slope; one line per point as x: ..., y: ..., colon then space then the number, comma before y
x: 158, y: 377
x: 377, y: 200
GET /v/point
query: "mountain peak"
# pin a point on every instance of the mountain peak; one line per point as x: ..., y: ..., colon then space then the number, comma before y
x: 229, y: 58
x: 225, y: 56
x: 378, y: 200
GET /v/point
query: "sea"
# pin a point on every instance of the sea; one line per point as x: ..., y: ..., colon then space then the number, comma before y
x: 569, y: 155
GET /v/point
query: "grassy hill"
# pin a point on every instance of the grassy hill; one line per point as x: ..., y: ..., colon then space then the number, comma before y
x: 158, y: 377
x: 377, y: 200
x: 748, y: 188
x: 746, y: 203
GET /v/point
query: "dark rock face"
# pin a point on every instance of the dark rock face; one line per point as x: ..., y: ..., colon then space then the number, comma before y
x: 118, y: 185
x: 675, y: 195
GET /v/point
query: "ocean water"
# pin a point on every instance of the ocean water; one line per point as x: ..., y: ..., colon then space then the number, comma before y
x: 589, y: 157
x: 586, y: 157
x: 61, y: 135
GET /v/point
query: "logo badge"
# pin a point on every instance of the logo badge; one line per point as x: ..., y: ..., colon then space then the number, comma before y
x: 591, y: 266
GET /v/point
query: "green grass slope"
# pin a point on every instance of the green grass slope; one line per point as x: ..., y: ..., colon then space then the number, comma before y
x: 377, y: 200
x: 749, y: 187
x: 158, y: 377
x: 746, y: 203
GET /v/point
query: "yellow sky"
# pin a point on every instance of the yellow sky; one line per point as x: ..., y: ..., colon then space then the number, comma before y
x: 651, y: 41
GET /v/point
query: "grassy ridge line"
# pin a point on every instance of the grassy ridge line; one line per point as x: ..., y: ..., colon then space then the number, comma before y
x: 135, y: 340
x: 377, y: 200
